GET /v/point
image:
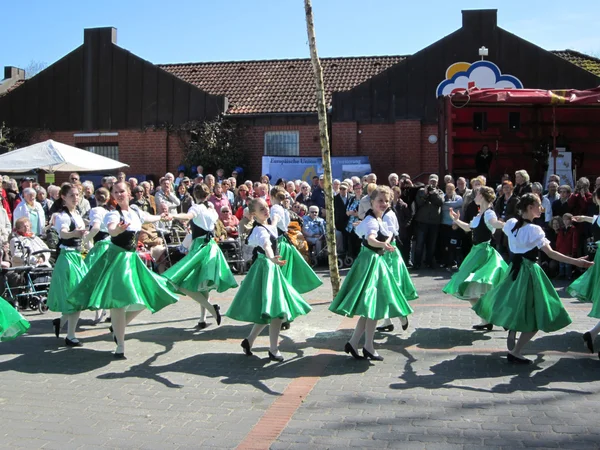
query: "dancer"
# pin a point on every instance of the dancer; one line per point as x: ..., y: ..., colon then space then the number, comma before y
x: 483, y: 267
x: 99, y: 235
x: 69, y: 269
x: 119, y: 280
x: 587, y: 287
x: 296, y: 270
x: 204, y: 268
x: 398, y: 269
x: 265, y: 296
x: 12, y: 323
x: 525, y: 300
x: 370, y: 289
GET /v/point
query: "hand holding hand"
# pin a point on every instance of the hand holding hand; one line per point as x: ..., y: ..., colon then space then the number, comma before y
x: 277, y: 260
x: 583, y: 262
x: 388, y: 247
x: 578, y: 219
x: 122, y: 226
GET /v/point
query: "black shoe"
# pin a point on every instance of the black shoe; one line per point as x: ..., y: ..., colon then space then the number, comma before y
x: 349, y: 349
x: 246, y: 346
x: 56, y: 325
x: 201, y: 325
x: 272, y: 357
x: 70, y: 343
x: 510, y: 340
x: 285, y: 326
x: 119, y: 355
x: 587, y: 338
x: 516, y: 360
x: 488, y: 327
x: 108, y: 319
x: 113, y: 333
x: 388, y: 328
x: 369, y: 355
x: 405, y: 326
x: 218, y: 316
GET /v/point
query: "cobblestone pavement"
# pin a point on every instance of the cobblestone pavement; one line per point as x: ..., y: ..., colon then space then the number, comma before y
x: 441, y: 384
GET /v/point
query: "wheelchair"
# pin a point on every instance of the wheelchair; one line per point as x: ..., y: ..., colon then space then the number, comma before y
x: 234, y: 255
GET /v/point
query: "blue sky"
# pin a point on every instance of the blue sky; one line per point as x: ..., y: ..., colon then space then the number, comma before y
x: 221, y: 30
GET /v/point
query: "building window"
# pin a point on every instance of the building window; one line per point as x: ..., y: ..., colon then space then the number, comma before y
x: 282, y: 143
x: 108, y: 150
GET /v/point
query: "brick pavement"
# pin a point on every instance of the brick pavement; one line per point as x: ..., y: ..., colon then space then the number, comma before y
x: 441, y: 385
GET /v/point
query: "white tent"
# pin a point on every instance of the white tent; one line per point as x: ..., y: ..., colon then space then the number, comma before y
x: 53, y: 156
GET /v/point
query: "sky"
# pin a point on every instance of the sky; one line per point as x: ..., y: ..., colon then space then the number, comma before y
x: 179, y: 31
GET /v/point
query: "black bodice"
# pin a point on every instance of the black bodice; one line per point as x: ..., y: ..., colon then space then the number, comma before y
x: 127, y: 240
x: 258, y: 249
x: 71, y: 242
x: 481, y: 233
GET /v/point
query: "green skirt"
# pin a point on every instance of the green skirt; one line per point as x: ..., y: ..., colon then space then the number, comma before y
x: 527, y: 304
x: 265, y: 294
x: 12, y: 324
x: 482, y: 269
x: 96, y: 252
x: 587, y: 287
x: 370, y: 290
x: 296, y: 270
x: 400, y: 273
x: 120, y: 279
x: 203, y: 269
x: 68, y: 273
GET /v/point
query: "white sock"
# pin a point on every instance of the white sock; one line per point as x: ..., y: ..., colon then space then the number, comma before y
x: 72, y: 320
x: 274, y: 329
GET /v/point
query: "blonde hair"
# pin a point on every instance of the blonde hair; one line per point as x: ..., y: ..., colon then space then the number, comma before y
x: 385, y: 190
x: 523, y: 174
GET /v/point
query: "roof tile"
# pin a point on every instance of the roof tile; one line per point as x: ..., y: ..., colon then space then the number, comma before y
x: 587, y: 62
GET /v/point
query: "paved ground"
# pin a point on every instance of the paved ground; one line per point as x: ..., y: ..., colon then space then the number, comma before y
x: 441, y: 384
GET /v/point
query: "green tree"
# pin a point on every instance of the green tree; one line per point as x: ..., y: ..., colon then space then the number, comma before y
x: 6, y: 141
x: 214, y: 144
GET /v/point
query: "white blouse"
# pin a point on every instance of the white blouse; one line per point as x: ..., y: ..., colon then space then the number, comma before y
x: 370, y: 225
x: 204, y: 217
x: 97, y: 215
x: 391, y: 221
x: 261, y: 236
x: 62, y: 220
x: 489, y: 215
x: 284, y: 217
x: 135, y: 217
x: 526, y: 238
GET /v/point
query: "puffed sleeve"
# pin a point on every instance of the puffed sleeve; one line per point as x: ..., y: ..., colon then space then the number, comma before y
x: 490, y: 215
x: 61, y: 221
x: 95, y: 216
x: 536, y: 236
x: 259, y: 237
x: 194, y: 210
x: 367, y: 227
x: 112, y: 217
x: 508, y: 226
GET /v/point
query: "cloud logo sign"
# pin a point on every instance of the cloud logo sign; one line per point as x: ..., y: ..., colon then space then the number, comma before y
x: 480, y: 74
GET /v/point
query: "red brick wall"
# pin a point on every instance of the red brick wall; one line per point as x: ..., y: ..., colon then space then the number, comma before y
x: 144, y: 151
x: 344, y: 136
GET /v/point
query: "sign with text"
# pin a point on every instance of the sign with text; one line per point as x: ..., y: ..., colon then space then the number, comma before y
x: 299, y: 168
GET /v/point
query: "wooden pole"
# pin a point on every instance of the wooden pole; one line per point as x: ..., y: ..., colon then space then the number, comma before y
x: 324, y: 136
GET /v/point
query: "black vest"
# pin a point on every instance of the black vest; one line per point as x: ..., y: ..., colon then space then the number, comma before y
x: 517, y: 258
x: 199, y: 231
x: 481, y: 233
x: 258, y: 249
x: 127, y: 240
x: 380, y: 236
x: 596, y: 230
x: 71, y: 242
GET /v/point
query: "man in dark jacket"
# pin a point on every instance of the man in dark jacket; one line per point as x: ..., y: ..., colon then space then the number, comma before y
x: 428, y: 216
x: 340, y: 206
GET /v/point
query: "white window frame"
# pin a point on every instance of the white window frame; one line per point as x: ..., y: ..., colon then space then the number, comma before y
x: 98, y: 149
x: 282, y: 135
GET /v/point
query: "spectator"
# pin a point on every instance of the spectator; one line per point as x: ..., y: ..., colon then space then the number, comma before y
x: 121, y: 176
x: 354, y: 241
x: 140, y: 200
x: 393, y: 179
x: 210, y: 182
x: 32, y: 210
x: 232, y: 184
x: 146, y: 186
x: 522, y: 186
x: 230, y: 222
x: 25, y: 243
x: 449, y: 234
x: 220, y: 175
x: 218, y: 199
x: 315, y: 183
x: 314, y: 229
x: 304, y: 197
x: 340, y: 207
x: 365, y: 202
x: 290, y: 188
x: 371, y: 178
x: 580, y: 199
x: 12, y: 195
x: 133, y: 182
x: 549, y: 265
x: 226, y: 186
x: 185, y: 199
x: 4, y: 202
x: 43, y: 200
x: 318, y: 196
x: 506, y: 209
x: 166, y: 196
x: 83, y: 207
x: 200, y: 171
x: 5, y: 225
x: 549, y: 199
x: 537, y: 189
x: 483, y: 160
x: 241, y: 201
x: 429, y: 201
x: 461, y: 187
x: 561, y: 206
x: 336, y: 186
x: 404, y: 215
x: 178, y: 180
x: 567, y: 242
x: 470, y: 197
x: 88, y: 193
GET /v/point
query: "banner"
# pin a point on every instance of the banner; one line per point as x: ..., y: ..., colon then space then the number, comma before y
x: 299, y: 168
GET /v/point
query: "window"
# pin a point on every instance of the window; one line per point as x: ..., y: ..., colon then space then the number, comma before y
x: 108, y: 150
x: 282, y: 143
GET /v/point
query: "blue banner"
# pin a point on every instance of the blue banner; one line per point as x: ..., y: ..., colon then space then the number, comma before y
x: 300, y: 168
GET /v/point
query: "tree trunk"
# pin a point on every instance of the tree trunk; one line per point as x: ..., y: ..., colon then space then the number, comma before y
x: 323, y: 134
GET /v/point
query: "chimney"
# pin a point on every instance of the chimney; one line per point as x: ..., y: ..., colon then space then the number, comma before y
x: 485, y: 19
x: 106, y: 35
x: 13, y: 73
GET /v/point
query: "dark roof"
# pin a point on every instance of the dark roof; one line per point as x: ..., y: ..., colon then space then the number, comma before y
x: 587, y: 62
x: 13, y: 87
x: 278, y: 86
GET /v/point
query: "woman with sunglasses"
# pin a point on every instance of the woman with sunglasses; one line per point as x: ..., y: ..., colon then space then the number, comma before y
x: 241, y: 201
x: 304, y: 196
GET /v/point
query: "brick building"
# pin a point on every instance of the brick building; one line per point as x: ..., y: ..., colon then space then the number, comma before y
x: 104, y: 98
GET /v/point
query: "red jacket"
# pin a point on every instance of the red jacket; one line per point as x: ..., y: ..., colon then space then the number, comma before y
x: 578, y: 203
x: 6, y: 205
x: 567, y: 240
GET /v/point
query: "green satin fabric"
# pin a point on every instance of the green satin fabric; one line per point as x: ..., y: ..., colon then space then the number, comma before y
x: 370, y: 290
x: 96, y: 252
x: 204, y: 268
x: 400, y: 273
x: 120, y: 279
x: 529, y: 303
x: 12, y: 324
x: 587, y: 287
x: 68, y: 272
x: 483, y: 265
x: 296, y: 270
x: 265, y: 294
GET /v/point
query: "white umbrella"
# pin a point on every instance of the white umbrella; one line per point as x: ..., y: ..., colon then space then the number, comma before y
x: 53, y: 156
